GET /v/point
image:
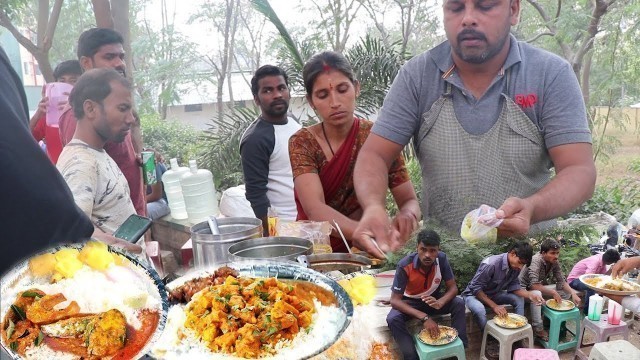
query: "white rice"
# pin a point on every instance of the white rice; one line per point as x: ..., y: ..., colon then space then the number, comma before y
x: 120, y: 287
x: 357, y: 341
x: 326, y: 322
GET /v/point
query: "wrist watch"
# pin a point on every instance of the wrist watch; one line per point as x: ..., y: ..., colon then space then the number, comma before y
x: 425, y: 318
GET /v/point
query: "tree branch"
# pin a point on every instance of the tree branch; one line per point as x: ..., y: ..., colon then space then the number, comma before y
x: 43, y: 19
x: 548, y: 33
x: 53, y: 23
x: 24, y: 41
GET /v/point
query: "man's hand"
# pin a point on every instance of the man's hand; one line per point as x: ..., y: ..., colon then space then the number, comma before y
x: 432, y: 327
x: 624, y: 266
x: 556, y: 297
x: 575, y: 298
x: 517, y: 214
x: 375, y: 224
x: 499, y: 310
x: 405, y: 223
x: 537, y: 299
x: 432, y: 302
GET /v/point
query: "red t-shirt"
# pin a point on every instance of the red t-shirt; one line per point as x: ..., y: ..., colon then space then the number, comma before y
x: 51, y: 136
x: 122, y: 153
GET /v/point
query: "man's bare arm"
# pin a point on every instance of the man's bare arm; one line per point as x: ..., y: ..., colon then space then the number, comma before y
x: 371, y: 182
x: 572, y: 185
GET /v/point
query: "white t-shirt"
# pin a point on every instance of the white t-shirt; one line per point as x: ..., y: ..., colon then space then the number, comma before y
x: 99, y: 187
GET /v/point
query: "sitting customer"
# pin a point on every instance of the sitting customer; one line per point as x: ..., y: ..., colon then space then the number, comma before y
x: 496, y: 283
x: 102, y: 102
x: 596, y: 264
x: 156, y: 198
x: 534, y: 278
x: 323, y: 156
x: 417, y: 293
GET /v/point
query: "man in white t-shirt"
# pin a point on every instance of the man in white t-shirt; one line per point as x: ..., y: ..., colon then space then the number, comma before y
x: 102, y: 103
x: 264, y: 148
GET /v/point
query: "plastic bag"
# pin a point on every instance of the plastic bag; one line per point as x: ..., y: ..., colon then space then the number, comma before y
x: 480, y: 225
x: 316, y: 231
x: 234, y: 203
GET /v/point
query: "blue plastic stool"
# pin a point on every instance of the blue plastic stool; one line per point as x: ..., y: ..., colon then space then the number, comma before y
x: 556, y: 318
x: 428, y: 352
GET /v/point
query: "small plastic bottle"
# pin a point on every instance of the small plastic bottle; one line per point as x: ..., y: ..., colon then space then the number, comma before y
x: 272, y: 217
x: 173, y: 189
x: 199, y: 193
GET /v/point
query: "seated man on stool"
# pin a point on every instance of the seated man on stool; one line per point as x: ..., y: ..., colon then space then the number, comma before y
x: 416, y: 293
x: 596, y: 264
x: 496, y: 283
x: 534, y: 278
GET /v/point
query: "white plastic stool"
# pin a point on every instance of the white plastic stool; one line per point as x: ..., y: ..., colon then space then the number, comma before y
x: 506, y: 338
x: 614, y: 350
x: 602, y: 329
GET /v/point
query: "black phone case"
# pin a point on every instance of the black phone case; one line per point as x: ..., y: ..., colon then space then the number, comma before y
x: 133, y: 228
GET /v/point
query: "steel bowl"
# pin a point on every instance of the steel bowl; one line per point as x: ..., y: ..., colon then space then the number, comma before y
x: 277, y: 248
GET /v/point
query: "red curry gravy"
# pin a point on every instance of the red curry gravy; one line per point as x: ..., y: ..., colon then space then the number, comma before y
x: 136, y: 339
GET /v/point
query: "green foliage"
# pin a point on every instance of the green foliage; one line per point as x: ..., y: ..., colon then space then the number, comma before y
x: 162, y: 65
x: 376, y: 65
x: 617, y: 197
x: 634, y: 166
x: 221, y: 143
x: 415, y: 175
x: 171, y: 138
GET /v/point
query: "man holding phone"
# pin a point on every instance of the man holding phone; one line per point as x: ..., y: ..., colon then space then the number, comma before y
x: 102, y: 103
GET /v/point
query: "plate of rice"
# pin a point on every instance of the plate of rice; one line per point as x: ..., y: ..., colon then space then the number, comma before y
x: 81, y: 301
x: 606, y: 285
x: 446, y: 335
x: 253, y: 309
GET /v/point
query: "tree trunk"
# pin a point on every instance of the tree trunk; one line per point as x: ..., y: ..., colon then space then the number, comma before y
x: 120, y: 12
x: 102, y: 13
x: 586, y: 71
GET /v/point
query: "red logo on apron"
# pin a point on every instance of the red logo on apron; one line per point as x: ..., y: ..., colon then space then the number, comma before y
x: 526, y: 100
x: 437, y: 281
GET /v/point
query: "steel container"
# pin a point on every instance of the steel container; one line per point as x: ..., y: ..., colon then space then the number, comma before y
x: 279, y: 248
x: 209, y: 249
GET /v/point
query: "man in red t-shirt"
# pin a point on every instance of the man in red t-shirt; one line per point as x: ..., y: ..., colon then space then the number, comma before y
x: 102, y: 48
x: 66, y: 72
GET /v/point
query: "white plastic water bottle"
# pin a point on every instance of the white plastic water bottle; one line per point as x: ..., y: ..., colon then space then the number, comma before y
x: 199, y: 193
x: 173, y: 189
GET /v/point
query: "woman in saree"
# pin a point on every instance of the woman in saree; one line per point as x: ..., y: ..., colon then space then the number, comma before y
x: 323, y: 155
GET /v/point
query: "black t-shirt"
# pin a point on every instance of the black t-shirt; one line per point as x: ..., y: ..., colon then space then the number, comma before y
x: 36, y: 206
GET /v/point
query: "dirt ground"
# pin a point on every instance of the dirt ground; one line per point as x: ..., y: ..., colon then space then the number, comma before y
x: 617, y: 165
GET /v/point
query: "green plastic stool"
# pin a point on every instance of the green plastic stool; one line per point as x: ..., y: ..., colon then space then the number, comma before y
x: 428, y: 352
x: 556, y: 318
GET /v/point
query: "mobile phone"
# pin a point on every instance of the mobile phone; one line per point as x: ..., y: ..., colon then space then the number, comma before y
x: 133, y: 228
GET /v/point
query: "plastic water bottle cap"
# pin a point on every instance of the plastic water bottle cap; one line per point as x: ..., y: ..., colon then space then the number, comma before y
x: 174, y: 164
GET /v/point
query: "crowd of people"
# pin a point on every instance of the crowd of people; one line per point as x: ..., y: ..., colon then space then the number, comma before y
x: 460, y: 103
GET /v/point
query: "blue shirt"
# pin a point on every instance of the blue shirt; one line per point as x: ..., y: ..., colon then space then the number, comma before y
x: 493, y: 276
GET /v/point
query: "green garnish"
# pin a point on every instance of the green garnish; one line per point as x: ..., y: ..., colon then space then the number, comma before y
x: 39, y: 338
x: 272, y: 330
x: 267, y: 318
x: 19, y: 312
x: 10, y: 329
x: 32, y: 294
x: 13, y: 346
